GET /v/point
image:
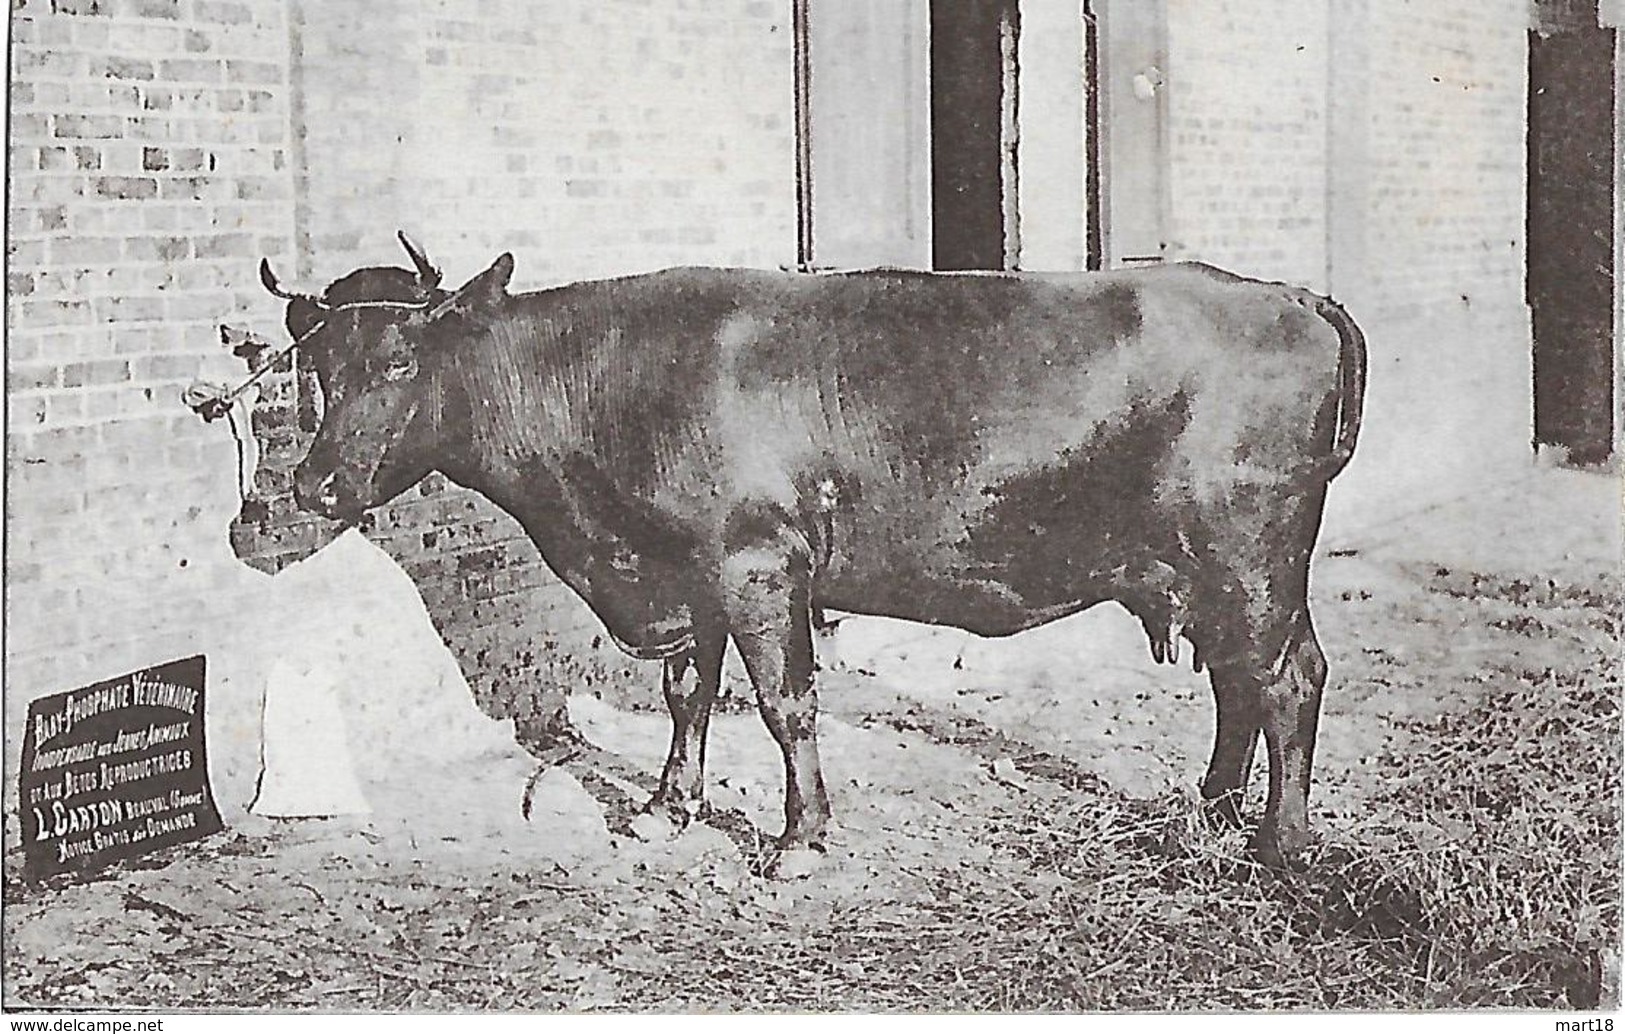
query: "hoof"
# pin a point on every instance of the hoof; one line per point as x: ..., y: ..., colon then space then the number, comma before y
x: 827, y: 650
x: 1284, y: 854
x: 663, y: 819
x: 797, y: 853
x: 1223, y: 811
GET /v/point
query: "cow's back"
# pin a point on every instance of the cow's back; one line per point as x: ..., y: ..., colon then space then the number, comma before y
x: 931, y: 373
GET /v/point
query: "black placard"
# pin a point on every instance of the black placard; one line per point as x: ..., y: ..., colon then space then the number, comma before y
x: 115, y: 770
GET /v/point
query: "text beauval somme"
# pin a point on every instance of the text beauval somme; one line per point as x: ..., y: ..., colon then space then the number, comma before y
x: 92, y: 767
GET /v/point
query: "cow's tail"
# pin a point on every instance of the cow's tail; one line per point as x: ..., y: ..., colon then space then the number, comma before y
x: 1351, y: 368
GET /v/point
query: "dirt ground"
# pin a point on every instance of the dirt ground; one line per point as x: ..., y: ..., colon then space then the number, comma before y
x: 1017, y: 830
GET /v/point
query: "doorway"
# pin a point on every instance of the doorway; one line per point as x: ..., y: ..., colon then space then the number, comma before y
x: 863, y: 133
x: 973, y: 134
x: 914, y: 119
x: 906, y: 133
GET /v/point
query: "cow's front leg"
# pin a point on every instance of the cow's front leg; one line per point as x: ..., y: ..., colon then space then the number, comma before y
x: 766, y: 583
x: 690, y: 682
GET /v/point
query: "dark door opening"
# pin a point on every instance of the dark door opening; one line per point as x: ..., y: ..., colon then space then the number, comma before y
x: 1570, y: 283
x: 973, y: 46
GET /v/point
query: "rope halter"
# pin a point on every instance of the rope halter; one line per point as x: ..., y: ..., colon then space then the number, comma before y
x: 213, y: 401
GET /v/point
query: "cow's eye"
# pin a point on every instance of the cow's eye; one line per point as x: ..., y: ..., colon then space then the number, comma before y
x: 400, y: 368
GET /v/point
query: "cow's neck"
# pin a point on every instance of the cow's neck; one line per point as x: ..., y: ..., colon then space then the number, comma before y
x: 512, y: 399
x: 527, y: 445
x: 513, y: 384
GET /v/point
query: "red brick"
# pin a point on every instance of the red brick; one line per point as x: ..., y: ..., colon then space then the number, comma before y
x: 165, y: 9
x: 85, y: 127
x: 26, y: 253
x: 124, y: 309
x: 166, y: 367
x: 75, y: 250
x: 51, y: 159
x: 191, y: 70
x: 30, y: 126
x: 55, y: 313
x: 91, y: 7
x: 126, y: 188
x: 121, y: 68
x: 254, y: 72
x: 230, y: 245
x: 29, y: 62
x: 223, y: 11
x: 189, y: 159
x: 62, y: 408
x: 211, y: 306
x: 103, y: 371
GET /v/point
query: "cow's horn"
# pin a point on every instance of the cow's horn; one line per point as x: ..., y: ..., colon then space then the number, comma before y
x: 428, y: 276
x: 269, y: 279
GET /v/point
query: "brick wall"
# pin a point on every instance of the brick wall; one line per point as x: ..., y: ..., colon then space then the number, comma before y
x: 149, y: 170
x: 161, y: 147
x: 1375, y: 149
x: 1448, y: 84
x: 589, y: 138
x: 1436, y: 166
x: 1248, y: 136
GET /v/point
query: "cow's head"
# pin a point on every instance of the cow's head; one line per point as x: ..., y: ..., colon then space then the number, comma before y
x: 364, y: 337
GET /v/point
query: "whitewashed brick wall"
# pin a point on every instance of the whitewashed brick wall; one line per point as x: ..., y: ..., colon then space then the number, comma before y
x: 1448, y: 94
x: 1443, y: 158
x: 591, y: 139
x: 150, y: 170
x: 1248, y: 135
x: 161, y: 147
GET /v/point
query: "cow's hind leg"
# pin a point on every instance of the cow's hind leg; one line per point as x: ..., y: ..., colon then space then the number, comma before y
x: 1291, y: 711
x: 766, y: 583
x: 1235, y: 738
x: 1267, y: 669
x: 1268, y: 675
x: 1156, y: 592
x: 690, y: 682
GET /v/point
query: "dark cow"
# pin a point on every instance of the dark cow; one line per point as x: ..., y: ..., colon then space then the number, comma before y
x: 703, y: 453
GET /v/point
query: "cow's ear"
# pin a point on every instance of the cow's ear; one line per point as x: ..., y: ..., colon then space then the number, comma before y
x: 476, y: 300
x: 486, y: 289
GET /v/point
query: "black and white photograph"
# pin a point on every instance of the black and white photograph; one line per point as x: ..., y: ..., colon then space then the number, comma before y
x: 817, y: 507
